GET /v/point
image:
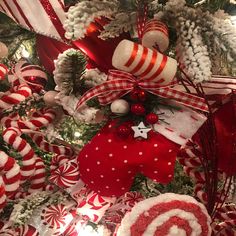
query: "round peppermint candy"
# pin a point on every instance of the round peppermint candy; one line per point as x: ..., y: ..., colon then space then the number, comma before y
x: 168, y: 214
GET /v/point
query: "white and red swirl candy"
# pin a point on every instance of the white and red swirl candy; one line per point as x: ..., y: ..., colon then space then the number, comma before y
x: 66, y: 175
x: 54, y: 216
x: 9, y: 176
x: 12, y: 137
x: 167, y: 214
x: 15, y: 96
x: 27, y: 230
x: 57, y: 161
x: 41, y: 119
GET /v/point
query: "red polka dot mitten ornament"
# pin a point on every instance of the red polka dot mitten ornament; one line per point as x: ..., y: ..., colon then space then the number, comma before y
x: 109, y: 163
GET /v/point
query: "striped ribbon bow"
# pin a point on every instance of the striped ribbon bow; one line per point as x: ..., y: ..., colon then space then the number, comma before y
x: 120, y: 83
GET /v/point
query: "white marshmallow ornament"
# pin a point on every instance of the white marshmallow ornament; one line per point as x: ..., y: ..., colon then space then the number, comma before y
x: 156, y: 35
x: 167, y: 214
x: 144, y: 62
x: 120, y: 107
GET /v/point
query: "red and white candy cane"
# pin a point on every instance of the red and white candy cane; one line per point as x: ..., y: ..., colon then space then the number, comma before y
x: 3, y: 71
x: 10, y: 174
x: 12, y: 137
x: 40, y: 141
x: 57, y: 161
x: 16, y: 96
x: 37, y: 181
x: 35, y: 123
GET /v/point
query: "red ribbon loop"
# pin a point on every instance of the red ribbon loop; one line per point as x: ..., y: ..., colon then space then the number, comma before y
x: 120, y: 83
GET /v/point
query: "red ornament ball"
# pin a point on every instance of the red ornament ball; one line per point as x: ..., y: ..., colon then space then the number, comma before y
x: 152, y: 118
x: 123, y: 131
x: 138, y: 95
x: 138, y: 109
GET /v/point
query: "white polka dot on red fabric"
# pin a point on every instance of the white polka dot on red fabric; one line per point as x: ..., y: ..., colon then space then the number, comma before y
x: 99, y: 191
x: 169, y: 163
x: 155, y: 172
x: 113, y: 169
x: 109, y: 126
x: 110, y: 155
x: 155, y: 159
x: 169, y: 176
x: 98, y: 134
x: 170, y: 150
x: 92, y: 182
x: 109, y: 140
x: 88, y: 170
x: 125, y: 161
x: 118, y: 180
x: 155, y: 145
x: 98, y: 162
x: 102, y: 176
x: 107, y: 187
x: 129, y: 172
x: 96, y: 148
x: 140, y: 153
x: 141, y: 166
x: 125, y: 146
x: 123, y: 188
x: 86, y: 155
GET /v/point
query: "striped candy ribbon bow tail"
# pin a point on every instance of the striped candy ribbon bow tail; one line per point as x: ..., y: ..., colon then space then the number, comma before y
x: 120, y: 83
x: 50, y: 15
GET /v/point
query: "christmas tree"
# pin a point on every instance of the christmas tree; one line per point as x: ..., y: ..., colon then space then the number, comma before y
x: 117, y: 117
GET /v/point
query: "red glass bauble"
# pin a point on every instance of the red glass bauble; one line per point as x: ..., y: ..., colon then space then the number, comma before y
x: 123, y: 131
x: 138, y: 109
x: 36, y: 83
x: 152, y: 118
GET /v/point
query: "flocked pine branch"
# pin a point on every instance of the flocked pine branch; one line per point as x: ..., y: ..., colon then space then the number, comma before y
x: 69, y: 68
x: 80, y: 16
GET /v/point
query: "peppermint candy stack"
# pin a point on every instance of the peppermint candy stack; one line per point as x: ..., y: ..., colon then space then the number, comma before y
x: 144, y: 62
x: 168, y: 214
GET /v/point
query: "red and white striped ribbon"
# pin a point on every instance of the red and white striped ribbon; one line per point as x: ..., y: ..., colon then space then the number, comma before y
x: 16, y: 96
x: 50, y: 15
x: 3, y: 71
x: 120, y: 83
x: 12, y: 137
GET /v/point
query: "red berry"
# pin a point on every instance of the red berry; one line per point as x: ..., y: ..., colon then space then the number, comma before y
x: 152, y: 118
x: 138, y: 95
x: 138, y: 109
x: 123, y: 131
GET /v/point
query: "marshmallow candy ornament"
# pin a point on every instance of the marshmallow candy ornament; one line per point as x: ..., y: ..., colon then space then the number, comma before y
x: 144, y: 62
x: 155, y: 35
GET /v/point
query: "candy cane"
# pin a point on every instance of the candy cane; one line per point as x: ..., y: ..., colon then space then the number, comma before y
x: 12, y: 137
x: 19, y: 94
x: 38, y: 121
x: 57, y: 161
x: 37, y: 182
x: 3, y: 196
x: 10, y: 171
x: 47, y: 147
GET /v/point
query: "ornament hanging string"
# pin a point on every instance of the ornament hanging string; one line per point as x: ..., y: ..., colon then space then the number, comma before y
x: 121, y: 83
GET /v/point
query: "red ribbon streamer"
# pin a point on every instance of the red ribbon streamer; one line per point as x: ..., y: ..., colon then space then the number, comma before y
x: 121, y: 83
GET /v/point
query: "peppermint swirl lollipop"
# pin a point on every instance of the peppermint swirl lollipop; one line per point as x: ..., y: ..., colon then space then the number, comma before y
x: 168, y: 214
